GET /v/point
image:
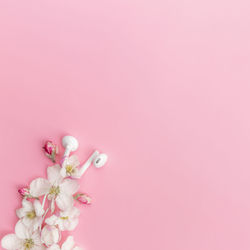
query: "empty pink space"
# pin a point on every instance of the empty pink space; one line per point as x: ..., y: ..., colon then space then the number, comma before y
x: 162, y: 87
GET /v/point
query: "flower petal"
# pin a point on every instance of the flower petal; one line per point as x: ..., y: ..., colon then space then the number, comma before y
x: 39, y: 187
x: 54, y: 175
x: 11, y: 242
x: 64, y: 201
x: 63, y: 224
x: 73, y: 224
x: 69, y: 186
x: 74, y: 212
x: 22, y: 231
x: 28, y: 222
x: 38, y: 208
x: 37, y: 222
x: 69, y: 243
x: 52, y: 220
x: 54, y: 247
x: 27, y: 205
x: 50, y: 235
x: 21, y: 212
x: 36, y: 238
x: 63, y: 172
x: 72, y: 160
x: 76, y: 174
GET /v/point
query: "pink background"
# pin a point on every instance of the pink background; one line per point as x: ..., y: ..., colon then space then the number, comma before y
x: 162, y: 86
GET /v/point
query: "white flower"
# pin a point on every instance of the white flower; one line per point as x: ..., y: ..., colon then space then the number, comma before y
x: 23, y: 239
x: 31, y: 214
x: 50, y: 235
x: 57, y: 189
x: 69, y: 244
x: 67, y: 221
x: 70, y: 167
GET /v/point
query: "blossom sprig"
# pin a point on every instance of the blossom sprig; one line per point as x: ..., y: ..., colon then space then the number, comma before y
x: 48, y: 207
x: 25, y: 193
x: 83, y: 198
x: 51, y: 150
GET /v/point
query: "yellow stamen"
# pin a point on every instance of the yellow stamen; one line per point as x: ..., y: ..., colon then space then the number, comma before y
x: 69, y: 169
x: 31, y: 215
x: 54, y: 190
x: 65, y: 218
x: 28, y: 244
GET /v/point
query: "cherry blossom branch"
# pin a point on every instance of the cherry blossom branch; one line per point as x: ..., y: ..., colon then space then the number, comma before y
x: 58, y: 191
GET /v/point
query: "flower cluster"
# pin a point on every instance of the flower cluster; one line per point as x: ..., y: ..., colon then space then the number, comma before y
x: 48, y: 208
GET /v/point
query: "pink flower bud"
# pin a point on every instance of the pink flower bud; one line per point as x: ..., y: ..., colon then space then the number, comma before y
x: 51, y: 150
x: 83, y: 198
x: 25, y: 192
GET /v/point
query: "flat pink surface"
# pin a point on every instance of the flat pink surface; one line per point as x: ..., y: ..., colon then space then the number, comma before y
x: 162, y: 86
